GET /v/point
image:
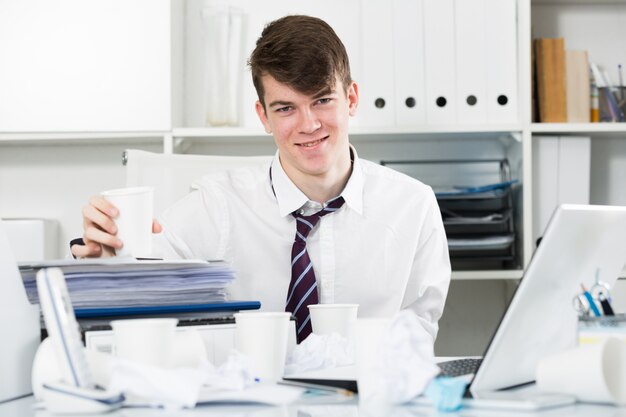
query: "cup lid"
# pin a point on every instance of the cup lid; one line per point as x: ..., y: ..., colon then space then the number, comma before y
x: 126, y: 191
x: 329, y: 306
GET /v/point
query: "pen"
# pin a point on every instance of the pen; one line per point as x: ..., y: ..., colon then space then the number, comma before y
x: 621, y: 81
x: 317, y: 387
x: 606, y: 305
x: 592, y: 305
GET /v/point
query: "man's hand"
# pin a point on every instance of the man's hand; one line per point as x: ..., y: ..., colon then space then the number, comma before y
x: 100, y: 231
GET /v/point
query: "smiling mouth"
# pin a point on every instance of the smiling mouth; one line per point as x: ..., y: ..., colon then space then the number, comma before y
x: 311, y: 144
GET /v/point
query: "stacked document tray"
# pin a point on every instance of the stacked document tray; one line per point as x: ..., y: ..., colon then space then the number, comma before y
x: 476, y: 202
x: 102, y: 290
x: 130, y: 284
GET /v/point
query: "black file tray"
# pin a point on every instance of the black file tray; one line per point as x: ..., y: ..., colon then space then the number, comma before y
x: 491, y: 201
x: 484, y: 263
x: 477, y: 223
x: 482, y: 246
x: 482, y: 253
x: 475, y: 197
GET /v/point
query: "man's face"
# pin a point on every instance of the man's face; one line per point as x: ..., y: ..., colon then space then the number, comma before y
x: 311, y: 132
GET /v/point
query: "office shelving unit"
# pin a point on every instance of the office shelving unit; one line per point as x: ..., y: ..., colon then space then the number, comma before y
x: 598, y: 28
x: 94, y: 145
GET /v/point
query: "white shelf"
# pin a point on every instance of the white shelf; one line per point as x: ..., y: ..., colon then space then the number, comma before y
x: 212, y: 132
x: 581, y: 2
x: 218, y: 132
x: 357, y: 133
x: 487, y: 275
x: 516, y: 274
x: 571, y: 128
x: 435, y: 129
x: 252, y: 135
x: 38, y: 138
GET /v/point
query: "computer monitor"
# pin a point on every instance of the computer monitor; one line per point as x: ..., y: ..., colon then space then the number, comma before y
x: 581, y: 242
x: 19, y: 327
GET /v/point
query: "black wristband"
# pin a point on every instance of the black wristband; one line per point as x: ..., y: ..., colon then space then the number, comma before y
x: 78, y: 241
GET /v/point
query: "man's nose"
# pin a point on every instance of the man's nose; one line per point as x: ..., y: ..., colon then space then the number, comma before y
x: 309, y: 122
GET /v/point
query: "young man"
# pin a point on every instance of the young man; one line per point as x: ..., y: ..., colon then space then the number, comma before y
x: 363, y: 233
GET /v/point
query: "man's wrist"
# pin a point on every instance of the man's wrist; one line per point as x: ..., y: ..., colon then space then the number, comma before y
x: 78, y: 241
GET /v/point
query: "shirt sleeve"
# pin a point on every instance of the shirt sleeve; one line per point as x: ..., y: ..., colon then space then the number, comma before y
x: 429, y: 279
x: 195, y: 227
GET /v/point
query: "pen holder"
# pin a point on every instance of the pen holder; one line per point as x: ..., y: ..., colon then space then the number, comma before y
x: 596, y: 329
x: 612, y: 101
x: 620, y: 96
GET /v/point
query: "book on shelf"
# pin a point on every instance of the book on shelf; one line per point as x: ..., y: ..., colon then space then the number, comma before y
x: 578, y: 94
x: 551, y: 84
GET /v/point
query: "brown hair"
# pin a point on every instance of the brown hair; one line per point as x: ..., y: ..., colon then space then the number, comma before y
x: 302, y: 52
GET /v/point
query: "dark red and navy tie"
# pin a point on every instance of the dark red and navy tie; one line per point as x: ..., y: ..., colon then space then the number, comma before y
x: 303, y: 286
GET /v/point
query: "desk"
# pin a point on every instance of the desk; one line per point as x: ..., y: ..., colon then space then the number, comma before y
x: 318, y: 408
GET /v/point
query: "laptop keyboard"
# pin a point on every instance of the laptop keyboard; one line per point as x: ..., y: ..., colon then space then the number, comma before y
x: 458, y: 367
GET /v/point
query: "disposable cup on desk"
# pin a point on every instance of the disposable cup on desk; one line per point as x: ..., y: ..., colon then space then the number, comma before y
x: 149, y: 341
x: 592, y: 373
x: 369, y: 334
x: 134, y: 222
x: 189, y: 348
x: 262, y: 337
x: 333, y: 318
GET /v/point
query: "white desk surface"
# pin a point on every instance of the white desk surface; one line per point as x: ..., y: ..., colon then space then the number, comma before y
x: 333, y: 407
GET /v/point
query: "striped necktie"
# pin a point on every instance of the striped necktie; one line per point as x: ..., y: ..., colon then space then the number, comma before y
x: 303, y: 287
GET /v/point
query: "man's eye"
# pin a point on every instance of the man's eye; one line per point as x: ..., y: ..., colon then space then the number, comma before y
x: 324, y: 100
x: 283, y: 109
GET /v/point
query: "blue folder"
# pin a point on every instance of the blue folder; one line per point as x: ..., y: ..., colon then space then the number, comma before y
x: 223, y: 306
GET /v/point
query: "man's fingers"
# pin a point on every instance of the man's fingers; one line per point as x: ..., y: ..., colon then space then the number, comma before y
x: 93, y: 234
x: 92, y: 216
x: 104, y: 206
x: 86, y: 251
x: 156, y: 226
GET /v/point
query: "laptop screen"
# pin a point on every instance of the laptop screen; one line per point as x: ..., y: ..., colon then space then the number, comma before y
x: 579, y: 242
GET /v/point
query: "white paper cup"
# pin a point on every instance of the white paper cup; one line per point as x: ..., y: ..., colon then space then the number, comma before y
x: 592, y: 373
x: 262, y: 337
x: 134, y: 223
x: 189, y: 349
x: 369, y: 335
x: 333, y: 318
x: 148, y: 341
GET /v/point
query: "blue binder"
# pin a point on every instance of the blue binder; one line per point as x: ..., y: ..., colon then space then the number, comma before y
x: 223, y: 306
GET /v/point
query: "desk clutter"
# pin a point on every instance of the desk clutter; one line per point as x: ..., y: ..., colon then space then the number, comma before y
x: 597, y: 319
x: 106, y: 289
x: 154, y: 365
x: 593, y: 371
x: 476, y: 199
x: 119, y: 285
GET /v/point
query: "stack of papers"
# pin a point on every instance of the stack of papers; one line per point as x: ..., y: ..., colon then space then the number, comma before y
x: 125, y: 282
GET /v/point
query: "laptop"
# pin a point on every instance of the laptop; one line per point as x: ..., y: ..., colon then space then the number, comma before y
x: 19, y: 327
x: 580, y: 241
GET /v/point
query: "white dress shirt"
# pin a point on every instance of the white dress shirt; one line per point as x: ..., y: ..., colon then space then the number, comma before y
x: 385, y: 249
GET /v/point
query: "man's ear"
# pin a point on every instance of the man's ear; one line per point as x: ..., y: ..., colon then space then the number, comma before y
x: 260, y: 111
x: 353, y: 98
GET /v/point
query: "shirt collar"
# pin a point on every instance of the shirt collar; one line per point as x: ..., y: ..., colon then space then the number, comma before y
x: 290, y: 198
